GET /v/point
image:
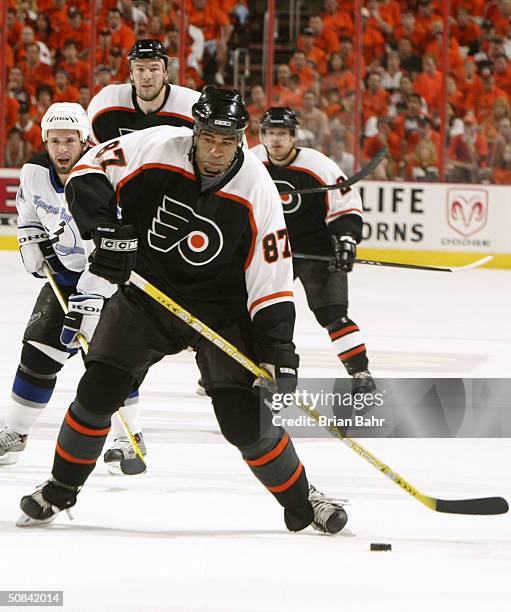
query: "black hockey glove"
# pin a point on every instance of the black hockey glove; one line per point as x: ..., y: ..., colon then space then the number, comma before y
x: 345, y: 251
x: 284, y: 377
x: 116, y: 252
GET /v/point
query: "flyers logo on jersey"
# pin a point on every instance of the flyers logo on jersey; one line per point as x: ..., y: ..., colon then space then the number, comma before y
x: 291, y: 202
x: 197, y: 239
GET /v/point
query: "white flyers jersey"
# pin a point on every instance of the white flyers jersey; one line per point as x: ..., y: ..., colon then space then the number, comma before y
x: 41, y: 203
x: 222, y: 251
x: 114, y: 111
x: 309, y: 215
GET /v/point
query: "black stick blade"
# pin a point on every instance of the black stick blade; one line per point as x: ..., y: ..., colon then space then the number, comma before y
x: 482, y: 505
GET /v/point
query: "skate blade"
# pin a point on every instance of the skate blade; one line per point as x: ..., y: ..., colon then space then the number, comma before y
x: 126, y: 467
x: 26, y: 521
x: 9, y: 459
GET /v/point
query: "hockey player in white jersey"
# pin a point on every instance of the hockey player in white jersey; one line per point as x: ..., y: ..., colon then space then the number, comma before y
x: 203, y: 213
x: 148, y: 100
x: 327, y: 223
x: 47, y: 233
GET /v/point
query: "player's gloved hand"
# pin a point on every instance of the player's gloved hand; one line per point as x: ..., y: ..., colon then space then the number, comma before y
x: 36, y: 249
x: 116, y: 252
x: 284, y: 375
x: 345, y: 251
x: 82, y: 318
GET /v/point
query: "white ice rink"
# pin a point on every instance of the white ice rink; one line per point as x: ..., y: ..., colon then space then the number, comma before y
x: 198, y: 532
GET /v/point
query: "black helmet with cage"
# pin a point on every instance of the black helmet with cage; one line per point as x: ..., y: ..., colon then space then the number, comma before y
x: 220, y: 110
x: 148, y: 49
x: 279, y: 117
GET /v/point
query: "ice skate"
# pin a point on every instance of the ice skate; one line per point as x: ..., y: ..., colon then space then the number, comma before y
x: 11, y: 444
x: 362, y: 382
x: 329, y: 515
x: 121, y: 458
x: 42, y: 506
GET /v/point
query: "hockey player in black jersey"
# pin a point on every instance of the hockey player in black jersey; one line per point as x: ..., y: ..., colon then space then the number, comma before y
x: 328, y: 223
x: 148, y: 100
x: 199, y: 214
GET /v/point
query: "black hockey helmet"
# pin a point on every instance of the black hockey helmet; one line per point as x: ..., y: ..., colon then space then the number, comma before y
x: 220, y: 110
x: 279, y: 117
x: 148, y: 49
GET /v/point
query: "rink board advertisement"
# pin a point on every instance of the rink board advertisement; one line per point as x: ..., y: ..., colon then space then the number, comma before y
x: 424, y: 223
x: 397, y: 408
x: 440, y: 224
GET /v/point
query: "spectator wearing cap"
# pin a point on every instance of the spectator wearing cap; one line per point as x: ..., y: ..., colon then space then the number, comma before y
x: 314, y: 55
x: 76, y: 69
x: 34, y: 71
x: 103, y: 46
x: 467, y: 153
x: 410, y: 28
x: 119, y: 69
x: 502, y: 73
x: 76, y: 29
x: 30, y: 130
x: 123, y: 37
x: 337, y: 76
x: 337, y: 19
x: 375, y: 101
x: 217, y: 30
x: 64, y: 91
x: 464, y: 28
x: 483, y: 98
x: 410, y: 62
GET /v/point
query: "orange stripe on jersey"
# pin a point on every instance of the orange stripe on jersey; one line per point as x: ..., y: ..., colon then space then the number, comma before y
x: 253, y: 226
x: 166, y: 114
x: 85, y: 430
x: 128, y: 178
x: 289, y: 483
x: 270, y: 455
x: 62, y: 453
x: 346, y: 212
x: 343, y: 332
x: 85, y: 167
x: 113, y: 108
x: 353, y: 352
x: 272, y: 296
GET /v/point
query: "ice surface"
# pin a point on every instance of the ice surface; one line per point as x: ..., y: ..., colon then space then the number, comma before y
x: 198, y: 532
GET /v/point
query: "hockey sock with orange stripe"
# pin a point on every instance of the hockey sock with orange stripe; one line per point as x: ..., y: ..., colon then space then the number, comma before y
x: 79, y: 444
x: 349, y: 345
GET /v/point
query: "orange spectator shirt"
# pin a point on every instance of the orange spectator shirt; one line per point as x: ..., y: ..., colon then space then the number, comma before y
x: 124, y: 38
x: 78, y: 73
x: 210, y: 21
x: 70, y: 94
x: 341, y: 23
x: 375, y: 105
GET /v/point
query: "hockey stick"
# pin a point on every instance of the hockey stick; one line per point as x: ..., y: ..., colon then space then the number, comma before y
x: 358, y: 176
x: 393, y: 264
x: 484, y: 505
x: 85, y: 348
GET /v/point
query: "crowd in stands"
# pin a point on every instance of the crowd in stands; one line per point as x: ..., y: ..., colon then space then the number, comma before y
x: 402, y: 91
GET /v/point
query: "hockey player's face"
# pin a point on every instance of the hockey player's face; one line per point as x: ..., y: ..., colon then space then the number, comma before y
x: 278, y: 142
x: 148, y: 77
x: 64, y: 148
x: 214, y: 152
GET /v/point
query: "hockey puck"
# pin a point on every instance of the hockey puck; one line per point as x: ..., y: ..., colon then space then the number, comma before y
x: 376, y: 546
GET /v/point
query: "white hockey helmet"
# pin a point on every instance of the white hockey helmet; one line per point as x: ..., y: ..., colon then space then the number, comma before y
x: 65, y: 116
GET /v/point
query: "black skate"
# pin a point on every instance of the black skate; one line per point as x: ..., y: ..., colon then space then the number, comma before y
x: 329, y: 515
x: 42, y: 506
x: 121, y: 458
x: 362, y: 382
x: 11, y: 444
